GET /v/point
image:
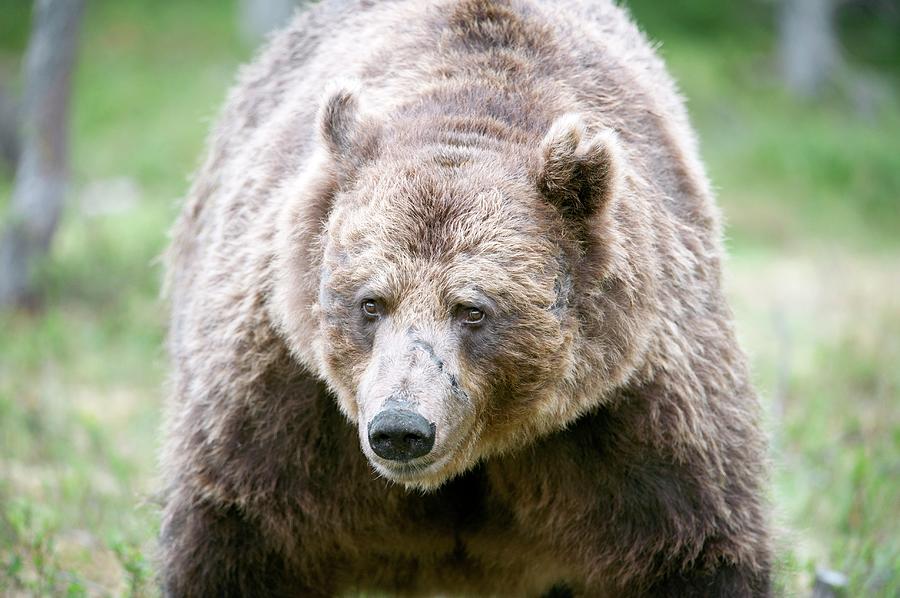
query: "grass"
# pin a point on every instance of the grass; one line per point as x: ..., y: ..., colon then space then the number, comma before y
x: 811, y: 192
x: 830, y: 383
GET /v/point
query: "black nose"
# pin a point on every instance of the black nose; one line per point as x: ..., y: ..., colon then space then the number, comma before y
x: 400, y: 435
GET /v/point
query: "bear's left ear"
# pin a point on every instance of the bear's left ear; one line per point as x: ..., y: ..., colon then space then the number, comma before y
x: 578, y: 173
x: 350, y: 138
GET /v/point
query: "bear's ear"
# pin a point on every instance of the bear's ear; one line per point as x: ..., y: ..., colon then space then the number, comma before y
x: 338, y: 120
x: 350, y: 138
x: 577, y: 172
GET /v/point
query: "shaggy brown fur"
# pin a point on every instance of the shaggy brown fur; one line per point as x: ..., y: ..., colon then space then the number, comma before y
x: 596, y: 433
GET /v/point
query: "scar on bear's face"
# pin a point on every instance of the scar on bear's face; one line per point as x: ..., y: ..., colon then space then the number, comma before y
x: 455, y: 388
x: 562, y: 288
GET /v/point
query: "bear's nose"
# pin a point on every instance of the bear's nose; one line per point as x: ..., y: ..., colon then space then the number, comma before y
x: 400, y: 435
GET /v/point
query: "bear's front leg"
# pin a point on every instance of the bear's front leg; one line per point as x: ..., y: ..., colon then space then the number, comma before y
x: 211, y: 550
x: 727, y: 580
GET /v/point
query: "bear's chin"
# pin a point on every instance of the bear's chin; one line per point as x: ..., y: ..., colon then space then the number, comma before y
x: 427, y: 477
x: 422, y: 474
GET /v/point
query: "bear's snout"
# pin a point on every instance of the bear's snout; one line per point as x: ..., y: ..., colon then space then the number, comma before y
x: 400, y: 435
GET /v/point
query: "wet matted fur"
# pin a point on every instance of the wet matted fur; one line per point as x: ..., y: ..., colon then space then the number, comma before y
x: 596, y: 433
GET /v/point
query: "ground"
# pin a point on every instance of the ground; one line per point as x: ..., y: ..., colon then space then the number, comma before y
x: 811, y: 194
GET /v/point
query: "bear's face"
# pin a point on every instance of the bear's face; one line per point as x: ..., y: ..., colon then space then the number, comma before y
x: 442, y: 316
x: 439, y: 298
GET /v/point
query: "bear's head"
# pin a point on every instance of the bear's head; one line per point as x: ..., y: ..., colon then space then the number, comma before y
x: 435, y: 277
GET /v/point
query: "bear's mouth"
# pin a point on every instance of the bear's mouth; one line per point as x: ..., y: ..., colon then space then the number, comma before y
x: 411, y: 472
x: 429, y: 471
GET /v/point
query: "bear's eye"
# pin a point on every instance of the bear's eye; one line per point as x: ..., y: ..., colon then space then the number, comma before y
x: 370, y: 308
x: 471, y: 315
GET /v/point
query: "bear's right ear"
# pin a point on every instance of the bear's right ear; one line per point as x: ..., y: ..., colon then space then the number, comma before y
x: 350, y: 138
x: 578, y: 173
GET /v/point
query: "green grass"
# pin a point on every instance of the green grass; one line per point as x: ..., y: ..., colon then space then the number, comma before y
x: 822, y: 328
x: 811, y: 192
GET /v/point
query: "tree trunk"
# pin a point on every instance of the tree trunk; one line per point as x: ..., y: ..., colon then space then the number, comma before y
x: 40, y: 181
x: 9, y: 129
x: 808, y: 44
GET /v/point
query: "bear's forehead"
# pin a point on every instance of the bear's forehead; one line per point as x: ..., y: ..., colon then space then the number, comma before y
x: 474, y: 229
x: 424, y: 212
x: 480, y: 244
x: 438, y: 229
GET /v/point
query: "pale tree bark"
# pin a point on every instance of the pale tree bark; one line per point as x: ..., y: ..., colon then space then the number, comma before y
x: 40, y: 181
x: 809, y: 49
x: 259, y: 17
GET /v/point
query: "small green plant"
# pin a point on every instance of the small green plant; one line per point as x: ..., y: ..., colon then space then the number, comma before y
x: 136, y: 566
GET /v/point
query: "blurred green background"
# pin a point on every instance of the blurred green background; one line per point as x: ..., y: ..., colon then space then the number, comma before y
x: 811, y: 193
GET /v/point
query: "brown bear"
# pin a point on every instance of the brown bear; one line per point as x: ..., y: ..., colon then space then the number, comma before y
x: 447, y: 318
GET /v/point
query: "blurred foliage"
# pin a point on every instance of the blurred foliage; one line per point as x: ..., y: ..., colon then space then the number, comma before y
x: 14, y: 25
x: 789, y: 169
x: 871, y: 33
x: 811, y: 192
